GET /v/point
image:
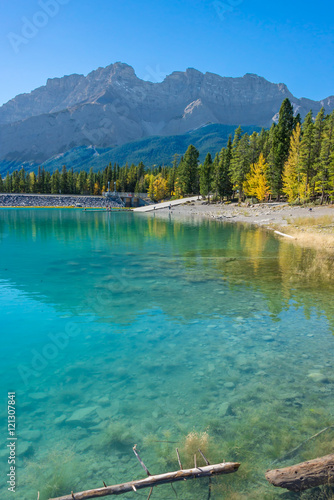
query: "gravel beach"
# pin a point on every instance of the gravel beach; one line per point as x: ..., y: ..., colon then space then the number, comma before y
x: 309, y: 225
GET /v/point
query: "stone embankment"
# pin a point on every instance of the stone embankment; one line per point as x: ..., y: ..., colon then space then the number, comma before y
x: 32, y: 200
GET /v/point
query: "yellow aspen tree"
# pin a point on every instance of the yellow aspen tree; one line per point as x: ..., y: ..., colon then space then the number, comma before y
x: 294, y: 180
x: 96, y: 189
x: 159, y: 188
x: 256, y: 183
x: 150, y: 190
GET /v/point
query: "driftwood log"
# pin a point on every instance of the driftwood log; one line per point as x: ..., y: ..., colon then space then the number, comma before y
x: 304, y: 475
x: 151, y: 481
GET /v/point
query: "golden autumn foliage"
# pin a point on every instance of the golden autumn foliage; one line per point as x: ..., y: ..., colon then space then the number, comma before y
x: 160, y: 189
x: 256, y: 183
x: 294, y: 180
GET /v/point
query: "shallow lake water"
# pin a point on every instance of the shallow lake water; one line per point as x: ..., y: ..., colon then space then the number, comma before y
x: 120, y: 329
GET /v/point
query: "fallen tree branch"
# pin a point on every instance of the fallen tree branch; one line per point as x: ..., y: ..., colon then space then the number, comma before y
x: 140, y: 460
x: 151, y: 481
x: 304, y: 475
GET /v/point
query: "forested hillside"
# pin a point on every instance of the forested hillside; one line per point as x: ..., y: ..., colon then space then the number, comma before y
x: 292, y: 159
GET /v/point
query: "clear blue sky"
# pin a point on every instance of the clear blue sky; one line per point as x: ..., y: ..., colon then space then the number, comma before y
x: 287, y: 41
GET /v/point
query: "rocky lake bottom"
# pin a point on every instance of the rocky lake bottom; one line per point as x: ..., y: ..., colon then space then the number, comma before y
x: 122, y: 330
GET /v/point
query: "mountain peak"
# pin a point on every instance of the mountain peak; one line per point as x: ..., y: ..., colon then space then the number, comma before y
x: 111, y: 106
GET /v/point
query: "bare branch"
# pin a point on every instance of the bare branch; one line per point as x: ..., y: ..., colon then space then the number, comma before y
x: 151, y: 481
x: 140, y: 461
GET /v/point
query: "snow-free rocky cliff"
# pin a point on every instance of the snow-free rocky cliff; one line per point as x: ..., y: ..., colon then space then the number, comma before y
x: 111, y: 106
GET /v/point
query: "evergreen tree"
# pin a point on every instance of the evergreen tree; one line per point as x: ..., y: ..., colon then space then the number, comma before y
x: 227, y: 184
x: 307, y: 148
x: 317, y: 141
x: 254, y: 150
x: 63, y: 180
x: 22, y: 181
x: 32, y: 182
x: 326, y: 158
x: 90, y: 181
x: 281, y: 145
x: 206, y: 176
x: 188, y: 171
x: 217, y: 175
x: 240, y: 163
x: 15, y: 182
x: 55, y: 182
x: 8, y: 183
x: 47, y: 182
x: 2, y: 185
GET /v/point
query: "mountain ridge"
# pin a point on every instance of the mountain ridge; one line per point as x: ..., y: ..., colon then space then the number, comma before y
x: 111, y: 106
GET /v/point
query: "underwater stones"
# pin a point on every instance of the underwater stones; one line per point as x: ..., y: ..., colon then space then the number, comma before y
x: 104, y: 400
x: 104, y: 413
x: 60, y: 419
x: 318, y: 377
x: 82, y: 414
x: 223, y: 409
x: 268, y: 338
x: 24, y: 448
x: 39, y: 396
x: 229, y: 385
x: 30, y: 435
x: 83, y: 445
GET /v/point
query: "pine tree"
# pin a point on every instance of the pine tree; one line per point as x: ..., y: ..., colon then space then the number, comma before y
x: 22, y: 180
x: 307, y: 148
x: 32, y: 182
x: 326, y: 158
x: 188, y: 171
x: 206, y: 176
x: 216, y: 175
x: 63, y: 181
x: 240, y: 163
x: 8, y: 183
x: 55, y: 182
x: 281, y: 145
x: 256, y: 183
x: 293, y: 178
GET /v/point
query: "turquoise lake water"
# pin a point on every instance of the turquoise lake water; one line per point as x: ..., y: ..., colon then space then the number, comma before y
x: 120, y: 329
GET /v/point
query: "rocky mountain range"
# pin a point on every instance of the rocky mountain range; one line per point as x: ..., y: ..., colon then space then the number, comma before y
x: 112, y: 106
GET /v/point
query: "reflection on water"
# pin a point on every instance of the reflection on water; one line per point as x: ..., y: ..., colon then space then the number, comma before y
x: 119, y: 329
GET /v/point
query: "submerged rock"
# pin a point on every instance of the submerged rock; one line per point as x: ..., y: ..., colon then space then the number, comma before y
x: 318, y: 377
x: 30, y: 435
x: 60, y: 420
x: 223, y: 409
x: 38, y: 395
x: 24, y: 448
x: 81, y: 414
x: 229, y: 385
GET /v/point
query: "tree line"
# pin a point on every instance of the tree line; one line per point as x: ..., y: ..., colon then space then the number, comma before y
x: 293, y: 159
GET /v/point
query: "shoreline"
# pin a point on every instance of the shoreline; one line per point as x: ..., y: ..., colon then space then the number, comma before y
x: 305, y: 225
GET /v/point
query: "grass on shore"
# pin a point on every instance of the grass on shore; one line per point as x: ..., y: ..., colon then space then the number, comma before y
x: 313, y: 232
